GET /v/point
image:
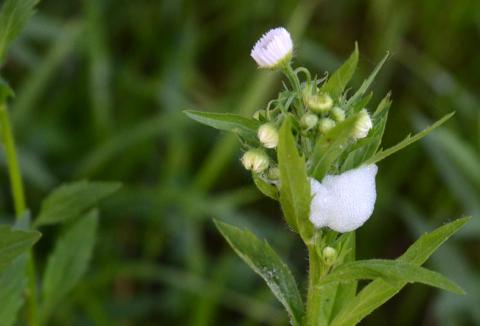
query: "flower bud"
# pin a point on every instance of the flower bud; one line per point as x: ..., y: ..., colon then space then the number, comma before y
x: 363, y: 125
x: 274, y: 173
x: 268, y: 135
x: 258, y: 114
x: 255, y: 160
x: 325, y: 124
x: 308, y: 121
x: 329, y: 256
x: 273, y: 49
x: 320, y: 103
x: 338, y: 114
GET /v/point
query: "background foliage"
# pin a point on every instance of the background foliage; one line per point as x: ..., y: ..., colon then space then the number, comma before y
x: 100, y: 85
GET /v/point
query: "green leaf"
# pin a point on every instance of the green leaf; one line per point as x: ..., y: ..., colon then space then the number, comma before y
x: 336, y: 84
x: 392, y: 271
x: 227, y: 122
x: 73, y: 199
x: 380, y: 155
x: 68, y: 261
x: 13, y: 16
x: 5, y: 90
x: 295, y: 195
x: 330, y: 146
x: 264, y: 187
x: 367, y: 82
x: 13, y: 281
x: 366, y: 148
x: 346, y: 290
x: 266, y: 263
x: 13, y: 243
x: 378, y: 292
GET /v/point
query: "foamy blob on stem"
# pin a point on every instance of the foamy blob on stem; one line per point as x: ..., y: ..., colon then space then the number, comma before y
x: 344, y: 202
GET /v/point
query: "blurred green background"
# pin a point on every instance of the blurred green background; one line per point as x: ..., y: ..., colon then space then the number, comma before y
x: 100, y: 86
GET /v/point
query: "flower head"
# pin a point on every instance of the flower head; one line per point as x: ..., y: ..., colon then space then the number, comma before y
x: 268, y: 135
x: 308, y: 121
x: 273, y: 48
x: 319, y: 103
x: 325, y: 124
x: 344, y: 202
x: 338, y: 114
x: 363, y: 125
x: 255, y: 160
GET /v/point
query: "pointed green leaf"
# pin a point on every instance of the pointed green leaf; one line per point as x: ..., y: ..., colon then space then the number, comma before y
x: 227, y: 122
x: 380, y: 155
x: 330, y: 146
x: 13, y: 16
x: 366, y: 84
x: 392, y: 271
x: 266, y: 263
x: 13, y: 243
x: 295, y: 193
x: 5, y: 90
x: 335, y: 85
x: 13, y: 281
x: 266, y: 188
x: 73, y: 199
x: 366, y: 148
x: 378, y: 292
x: 346, y: 290
x: 68, y: 261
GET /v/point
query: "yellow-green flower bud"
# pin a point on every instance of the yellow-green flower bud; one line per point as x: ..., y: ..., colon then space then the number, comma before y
x: 308, y: 121
x: 329, y: 256
x: 258, y: 114
x: 320, y: 103
x: 338, y: 114
x: 255, y: 160
x: 268, y: 135
x: 363, y: 125
x: 274, y: 173
x: 325, y: 124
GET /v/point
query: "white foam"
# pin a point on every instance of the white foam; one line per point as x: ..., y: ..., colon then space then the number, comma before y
x: 344, y: 202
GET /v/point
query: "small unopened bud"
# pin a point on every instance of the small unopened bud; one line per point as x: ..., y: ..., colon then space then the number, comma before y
x: 325, y: 124
x: 268, y: 135
x: 338, y: 114
x: 274, y: 173
x: 320, y: 103
x: 308, y: 121
x: 329, y: 256
x: 258, y: 114
x: 363, y: 125
x: 255, y: 160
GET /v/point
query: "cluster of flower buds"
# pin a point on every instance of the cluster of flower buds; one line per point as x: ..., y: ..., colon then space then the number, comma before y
x: 317, y: 112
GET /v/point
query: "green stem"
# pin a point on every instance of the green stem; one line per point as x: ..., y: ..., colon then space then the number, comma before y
x: 18, y: 194
x: 32, y: 309
x: 12, y: 162
x: 313, y: 312
x: 292, y: 77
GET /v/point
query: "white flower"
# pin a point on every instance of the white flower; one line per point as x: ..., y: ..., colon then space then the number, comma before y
x: 363, y: 125
x: 344, y: 202
x: 255, y: 160
x: 273, y: 48
x: 268, y: 135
